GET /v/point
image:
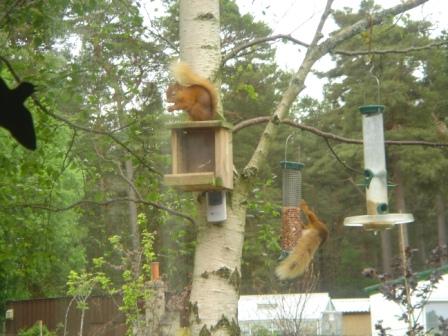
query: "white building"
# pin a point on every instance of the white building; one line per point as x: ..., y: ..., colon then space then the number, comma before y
x: 300, y: 314
x: 318, y: 314
x: 389, y: 312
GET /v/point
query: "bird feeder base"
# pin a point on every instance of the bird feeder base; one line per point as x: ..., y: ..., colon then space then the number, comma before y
x: 378, y: 222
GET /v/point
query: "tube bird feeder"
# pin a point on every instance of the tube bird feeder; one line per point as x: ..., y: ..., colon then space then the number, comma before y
x: 291, y: 196
x: 375, y: 175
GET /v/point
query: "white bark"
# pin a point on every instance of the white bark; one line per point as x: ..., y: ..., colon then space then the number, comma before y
x: 199, y: 35
x: 217, y: 270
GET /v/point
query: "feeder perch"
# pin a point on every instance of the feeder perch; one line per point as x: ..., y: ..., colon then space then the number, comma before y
x: 202, y: 157
x: 375, y: 175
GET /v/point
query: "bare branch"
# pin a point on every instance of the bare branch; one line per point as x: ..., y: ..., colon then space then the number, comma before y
x: 323, y: 19
x: 161, y: 37
x: 158, y: 35
x: 361, y: 25
x: 331, y: 136
x: 390, y: 51
x: 102, y: 203
x: 336, y: 156
x: 235, y: 51
x: 250, y: 122
x: 82, y: 128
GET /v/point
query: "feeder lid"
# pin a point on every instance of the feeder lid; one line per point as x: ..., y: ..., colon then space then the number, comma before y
x: 291, y: 165
x: 379, y: 222
x: 371, y: 109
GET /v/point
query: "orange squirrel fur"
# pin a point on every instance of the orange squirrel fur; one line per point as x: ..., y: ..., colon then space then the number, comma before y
x: 313, y: 236
x: 192, y: 93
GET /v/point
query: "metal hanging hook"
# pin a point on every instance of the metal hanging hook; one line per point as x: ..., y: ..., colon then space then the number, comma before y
x: 286, y: 147
x: 378, y: 84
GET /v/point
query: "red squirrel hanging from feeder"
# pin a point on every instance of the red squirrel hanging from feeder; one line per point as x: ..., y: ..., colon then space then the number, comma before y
x: 192, y: 93
x: 313, y: 236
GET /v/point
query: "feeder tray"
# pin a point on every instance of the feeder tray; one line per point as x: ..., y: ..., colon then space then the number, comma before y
x: 378, y: 222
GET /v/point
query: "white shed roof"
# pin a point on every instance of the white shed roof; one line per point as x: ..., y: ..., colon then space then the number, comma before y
x: 352, y: 305
x: 285, y: 306
x: 388, y: 311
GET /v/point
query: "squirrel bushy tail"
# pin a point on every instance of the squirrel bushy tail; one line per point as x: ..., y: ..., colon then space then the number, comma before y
x: 300, y: 257
x: 185, y: 76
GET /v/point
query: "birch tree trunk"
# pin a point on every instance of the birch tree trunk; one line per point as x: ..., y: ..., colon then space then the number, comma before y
x: 200, y: 45
x: 216, y: 275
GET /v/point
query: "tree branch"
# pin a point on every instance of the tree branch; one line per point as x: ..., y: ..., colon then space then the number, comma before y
x: 336, y: 156
x: 235, y: 51
x: 102, y: 203
x: 361, y: 25
x: 323, y: 19
x: 331, y: 136
x: 75, y: 126
x: 390, y: 51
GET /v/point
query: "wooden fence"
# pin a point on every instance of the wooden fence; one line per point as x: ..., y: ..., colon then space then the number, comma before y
x: 102, y: 317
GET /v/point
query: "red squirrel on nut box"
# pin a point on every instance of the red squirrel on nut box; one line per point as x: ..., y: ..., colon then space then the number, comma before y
x: 192, y: 93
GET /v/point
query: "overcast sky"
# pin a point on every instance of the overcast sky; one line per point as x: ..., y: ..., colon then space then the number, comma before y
x: 300, y: 18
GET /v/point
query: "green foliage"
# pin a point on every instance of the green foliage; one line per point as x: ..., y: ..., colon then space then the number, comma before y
x: 262, y: 249
x: 81, y: 285
x: 38, y: 247
x: 133, y: 286
x: 262, y: 331
x: 35, y: 330
x: 101, y: 74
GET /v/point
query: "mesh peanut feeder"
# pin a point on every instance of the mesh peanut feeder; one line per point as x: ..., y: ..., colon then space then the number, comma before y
x: 291, y: 197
